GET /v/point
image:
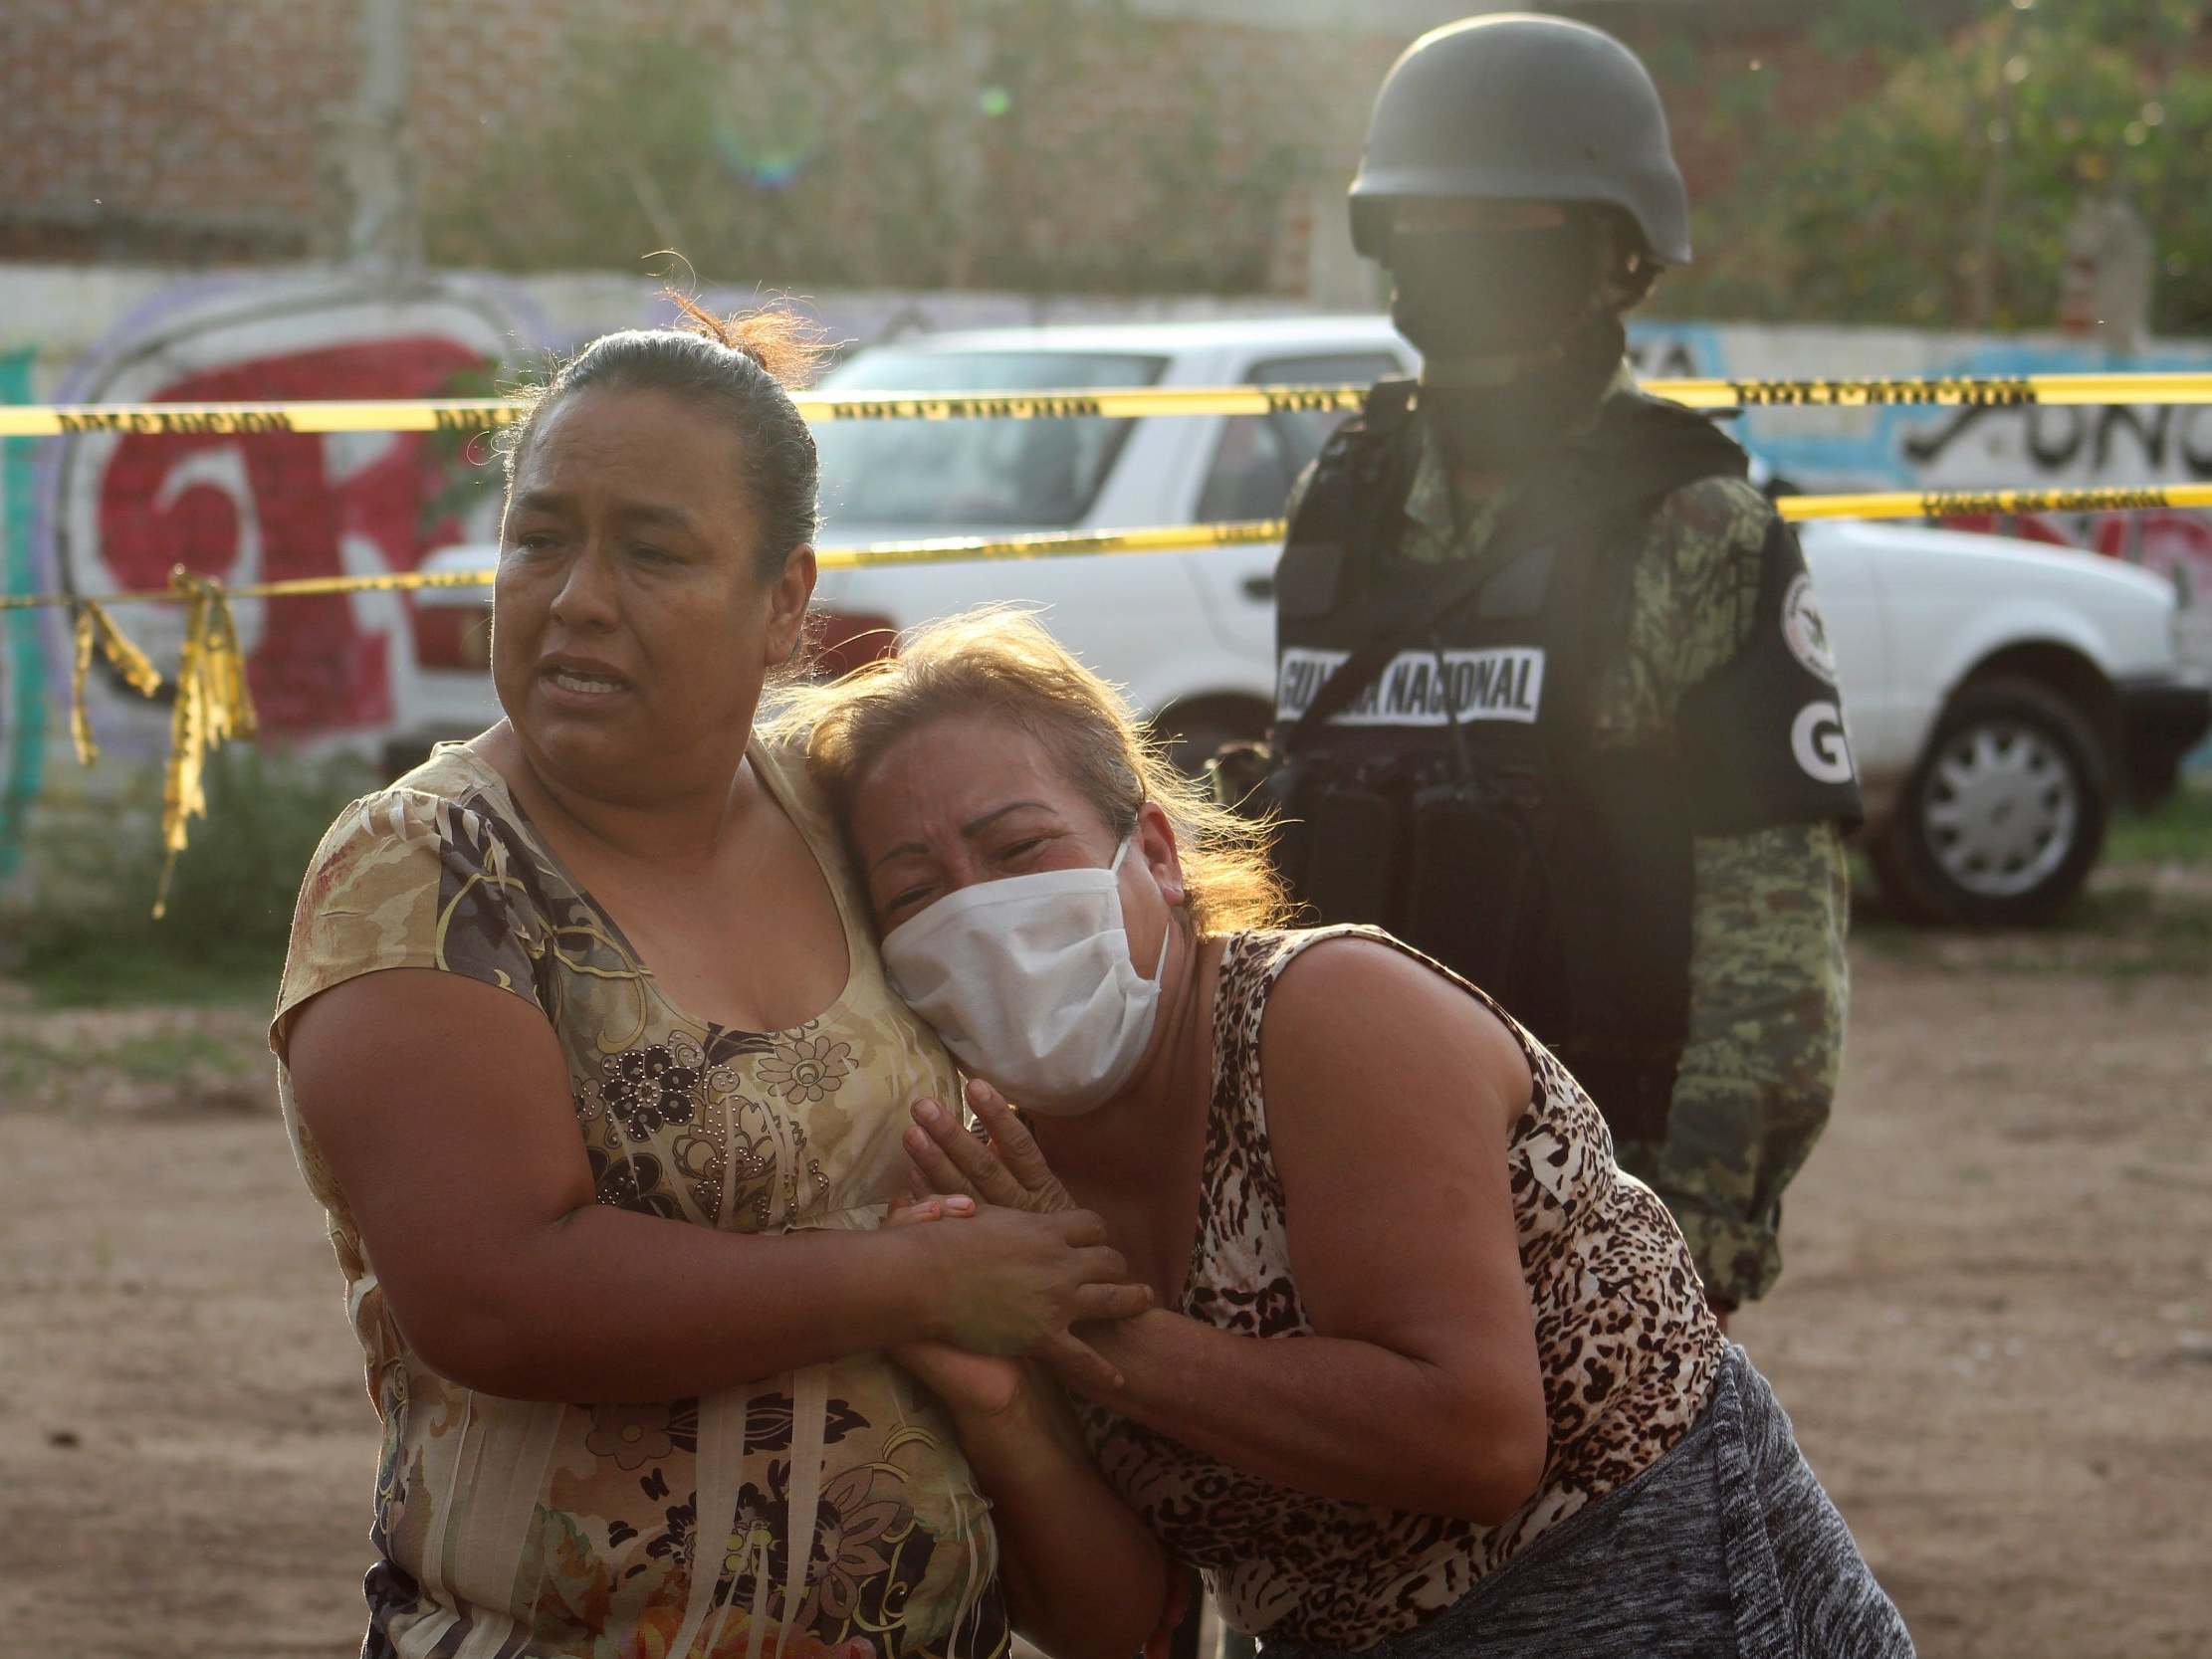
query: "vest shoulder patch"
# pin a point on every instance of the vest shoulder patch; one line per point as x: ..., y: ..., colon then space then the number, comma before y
x: 1804, y: 630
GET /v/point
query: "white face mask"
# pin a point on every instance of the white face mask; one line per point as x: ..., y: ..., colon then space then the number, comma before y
x: 1028, y: 981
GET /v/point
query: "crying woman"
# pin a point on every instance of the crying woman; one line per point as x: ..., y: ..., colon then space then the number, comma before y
x: 1424, y: 1373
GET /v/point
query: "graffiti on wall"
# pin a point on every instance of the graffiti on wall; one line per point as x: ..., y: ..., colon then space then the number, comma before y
x: 118, y: 510
x: 2089, y: 446
x: 22, y: 668
x: 99, y: 512
x: 123, y: 508
x: 2029, y: 445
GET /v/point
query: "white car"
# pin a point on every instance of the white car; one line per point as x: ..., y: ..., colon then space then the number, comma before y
x: 2001, y: 696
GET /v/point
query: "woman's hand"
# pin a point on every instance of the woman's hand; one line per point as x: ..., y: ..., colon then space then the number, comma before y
x: 970, y: 1386
x: 1013, y: 1284
x: 1079, y: 1568
x: 1003, y: 1166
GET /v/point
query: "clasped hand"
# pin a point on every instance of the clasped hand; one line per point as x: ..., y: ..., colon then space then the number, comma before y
x: 1021, y: 1261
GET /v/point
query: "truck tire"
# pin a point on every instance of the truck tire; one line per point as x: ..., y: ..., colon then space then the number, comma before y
x: 2002, y: 818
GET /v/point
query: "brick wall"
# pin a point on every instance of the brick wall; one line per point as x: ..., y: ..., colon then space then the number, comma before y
x: 153, y: 125
x: 209, y: 130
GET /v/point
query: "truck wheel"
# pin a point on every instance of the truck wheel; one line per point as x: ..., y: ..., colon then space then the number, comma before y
x: 2003, y: 817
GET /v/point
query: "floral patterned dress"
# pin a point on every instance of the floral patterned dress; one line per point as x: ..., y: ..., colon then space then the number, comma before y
x: 822, y: 1512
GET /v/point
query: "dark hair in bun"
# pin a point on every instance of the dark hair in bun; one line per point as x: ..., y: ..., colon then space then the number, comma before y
x: 739, y: 371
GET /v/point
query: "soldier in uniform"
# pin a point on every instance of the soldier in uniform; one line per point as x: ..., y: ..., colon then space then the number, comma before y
x: 1554, y: 702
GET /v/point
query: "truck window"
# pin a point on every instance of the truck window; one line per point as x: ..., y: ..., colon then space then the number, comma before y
x: 1258, y: 457
x: 918, y: 476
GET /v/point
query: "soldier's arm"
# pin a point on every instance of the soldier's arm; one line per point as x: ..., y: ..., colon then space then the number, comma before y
x: 1769, y: 895
x: 1768, y: 984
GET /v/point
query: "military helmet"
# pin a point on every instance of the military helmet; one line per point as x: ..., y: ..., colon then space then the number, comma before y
x: 1516, y: 107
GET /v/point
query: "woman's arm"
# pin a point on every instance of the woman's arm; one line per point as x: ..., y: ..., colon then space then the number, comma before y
x: 1082, y: 1575
x: 1084, y: 1580
x: 1390, y: 1096
x: 1352, y: 1420
x: 442, y: 1106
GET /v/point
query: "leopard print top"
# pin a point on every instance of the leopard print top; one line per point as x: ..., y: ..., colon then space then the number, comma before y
x: 1629, y: 1352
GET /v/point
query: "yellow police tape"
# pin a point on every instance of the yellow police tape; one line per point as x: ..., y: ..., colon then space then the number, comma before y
x: 472, y: 415
x: 211, y: 700
x: 1159, y: 538
x: 1979, y: 390
x: 1963, y: 503
x: 212, y: 703
x: 1891, y: 504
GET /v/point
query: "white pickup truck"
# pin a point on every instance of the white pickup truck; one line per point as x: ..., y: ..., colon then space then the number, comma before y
x: 2001, y: 696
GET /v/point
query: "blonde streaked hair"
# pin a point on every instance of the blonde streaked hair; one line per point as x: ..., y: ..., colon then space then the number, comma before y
x: 1000, y: 662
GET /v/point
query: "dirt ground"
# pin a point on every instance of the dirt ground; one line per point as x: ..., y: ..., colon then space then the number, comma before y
x: 1994, y: 1331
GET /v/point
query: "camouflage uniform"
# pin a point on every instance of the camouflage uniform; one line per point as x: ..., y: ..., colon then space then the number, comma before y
x: 1768, y: 979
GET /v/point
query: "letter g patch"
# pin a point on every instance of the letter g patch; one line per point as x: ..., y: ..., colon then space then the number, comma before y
x: 1816, y: 740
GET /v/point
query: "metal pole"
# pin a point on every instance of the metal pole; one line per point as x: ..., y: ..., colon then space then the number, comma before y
x: 377, y: 158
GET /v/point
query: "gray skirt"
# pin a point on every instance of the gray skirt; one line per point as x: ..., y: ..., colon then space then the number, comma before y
x: 1727, y: 1547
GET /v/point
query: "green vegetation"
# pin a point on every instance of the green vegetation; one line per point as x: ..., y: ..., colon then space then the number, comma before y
x: 2177, y: 833
x: 148, y: 1057
x: 87, y: 936
x: 842, y: 143
x: 137, y: 1061
x: 1085, y: 146
x: 1941, y: 199
x: 105, y: 972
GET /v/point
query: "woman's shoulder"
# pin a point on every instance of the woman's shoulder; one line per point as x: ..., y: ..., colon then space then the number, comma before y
x: 780, y: 754
x: 430, y: 871
x: 1350, y: 956
x: 456, y: 772
x: 1318, y: 990
x: 1256, y: 960
x: 452, y: 773
x: 1340, y: 973
x: 453, y: 801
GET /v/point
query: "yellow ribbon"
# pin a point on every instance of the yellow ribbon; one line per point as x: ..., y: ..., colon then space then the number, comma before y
x: 96, y: 629
x: 473, y: 415
x: 79, y: 725
x: 212, y: 705
x: 1158, y: 538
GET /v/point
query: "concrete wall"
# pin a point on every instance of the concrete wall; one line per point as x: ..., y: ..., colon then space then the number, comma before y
x: 100, y: 511
x: 1971, y: 449
x: 105, y: 512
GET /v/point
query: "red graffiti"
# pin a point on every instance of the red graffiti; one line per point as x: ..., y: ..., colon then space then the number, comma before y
x: 2028, y: 527
x: 314, y: 669
x: 2179, y: 545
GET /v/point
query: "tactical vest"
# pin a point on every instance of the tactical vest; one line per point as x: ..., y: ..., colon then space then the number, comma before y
x: 1458, y: 797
